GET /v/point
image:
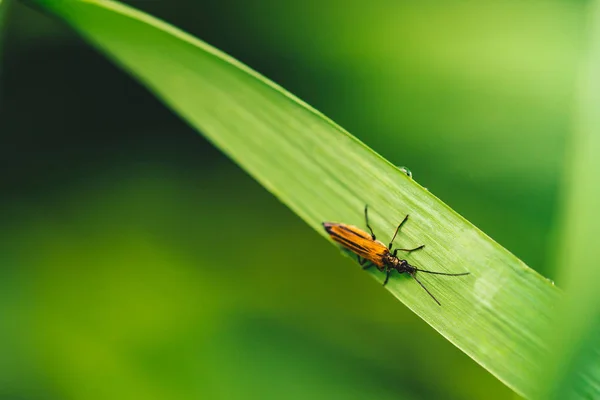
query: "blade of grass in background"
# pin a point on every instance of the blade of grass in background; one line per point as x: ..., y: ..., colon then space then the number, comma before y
x: 495, y: 315
x: 575, y: 367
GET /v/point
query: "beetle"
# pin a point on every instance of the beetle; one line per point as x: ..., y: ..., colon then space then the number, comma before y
x: 371, y: 252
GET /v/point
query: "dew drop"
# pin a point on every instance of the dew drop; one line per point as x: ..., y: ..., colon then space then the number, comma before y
x: 407, y: 171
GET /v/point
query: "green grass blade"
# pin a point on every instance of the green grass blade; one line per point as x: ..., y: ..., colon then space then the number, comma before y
x: 322, y: 173
x: 575, y: 366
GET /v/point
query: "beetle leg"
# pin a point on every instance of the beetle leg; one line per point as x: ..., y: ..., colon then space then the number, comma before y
x: 367, y: 222
x: 387, y: 275
x: 409, y: 250
x: 397, y: 230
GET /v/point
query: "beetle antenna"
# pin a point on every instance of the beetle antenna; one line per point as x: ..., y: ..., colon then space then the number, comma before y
x: 440, y: 273
x: 423, y: 286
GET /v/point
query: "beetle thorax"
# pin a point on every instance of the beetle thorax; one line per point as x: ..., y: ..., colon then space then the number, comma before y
x: 399, y: 265
x: 392, y: 261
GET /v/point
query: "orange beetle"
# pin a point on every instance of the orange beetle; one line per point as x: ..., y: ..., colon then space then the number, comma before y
x: 371, y: 251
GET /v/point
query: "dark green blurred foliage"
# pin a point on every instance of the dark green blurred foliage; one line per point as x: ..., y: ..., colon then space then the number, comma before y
x: 138, y: 262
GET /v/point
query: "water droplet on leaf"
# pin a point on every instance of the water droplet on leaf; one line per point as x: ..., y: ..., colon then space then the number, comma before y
x: 407, y: 171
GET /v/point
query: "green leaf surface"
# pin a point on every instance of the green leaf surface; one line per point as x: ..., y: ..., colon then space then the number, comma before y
x: 495, y: 315
x: 574, y: 368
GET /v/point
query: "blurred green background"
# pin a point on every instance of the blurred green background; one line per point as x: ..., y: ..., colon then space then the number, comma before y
x: 138, y: 262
